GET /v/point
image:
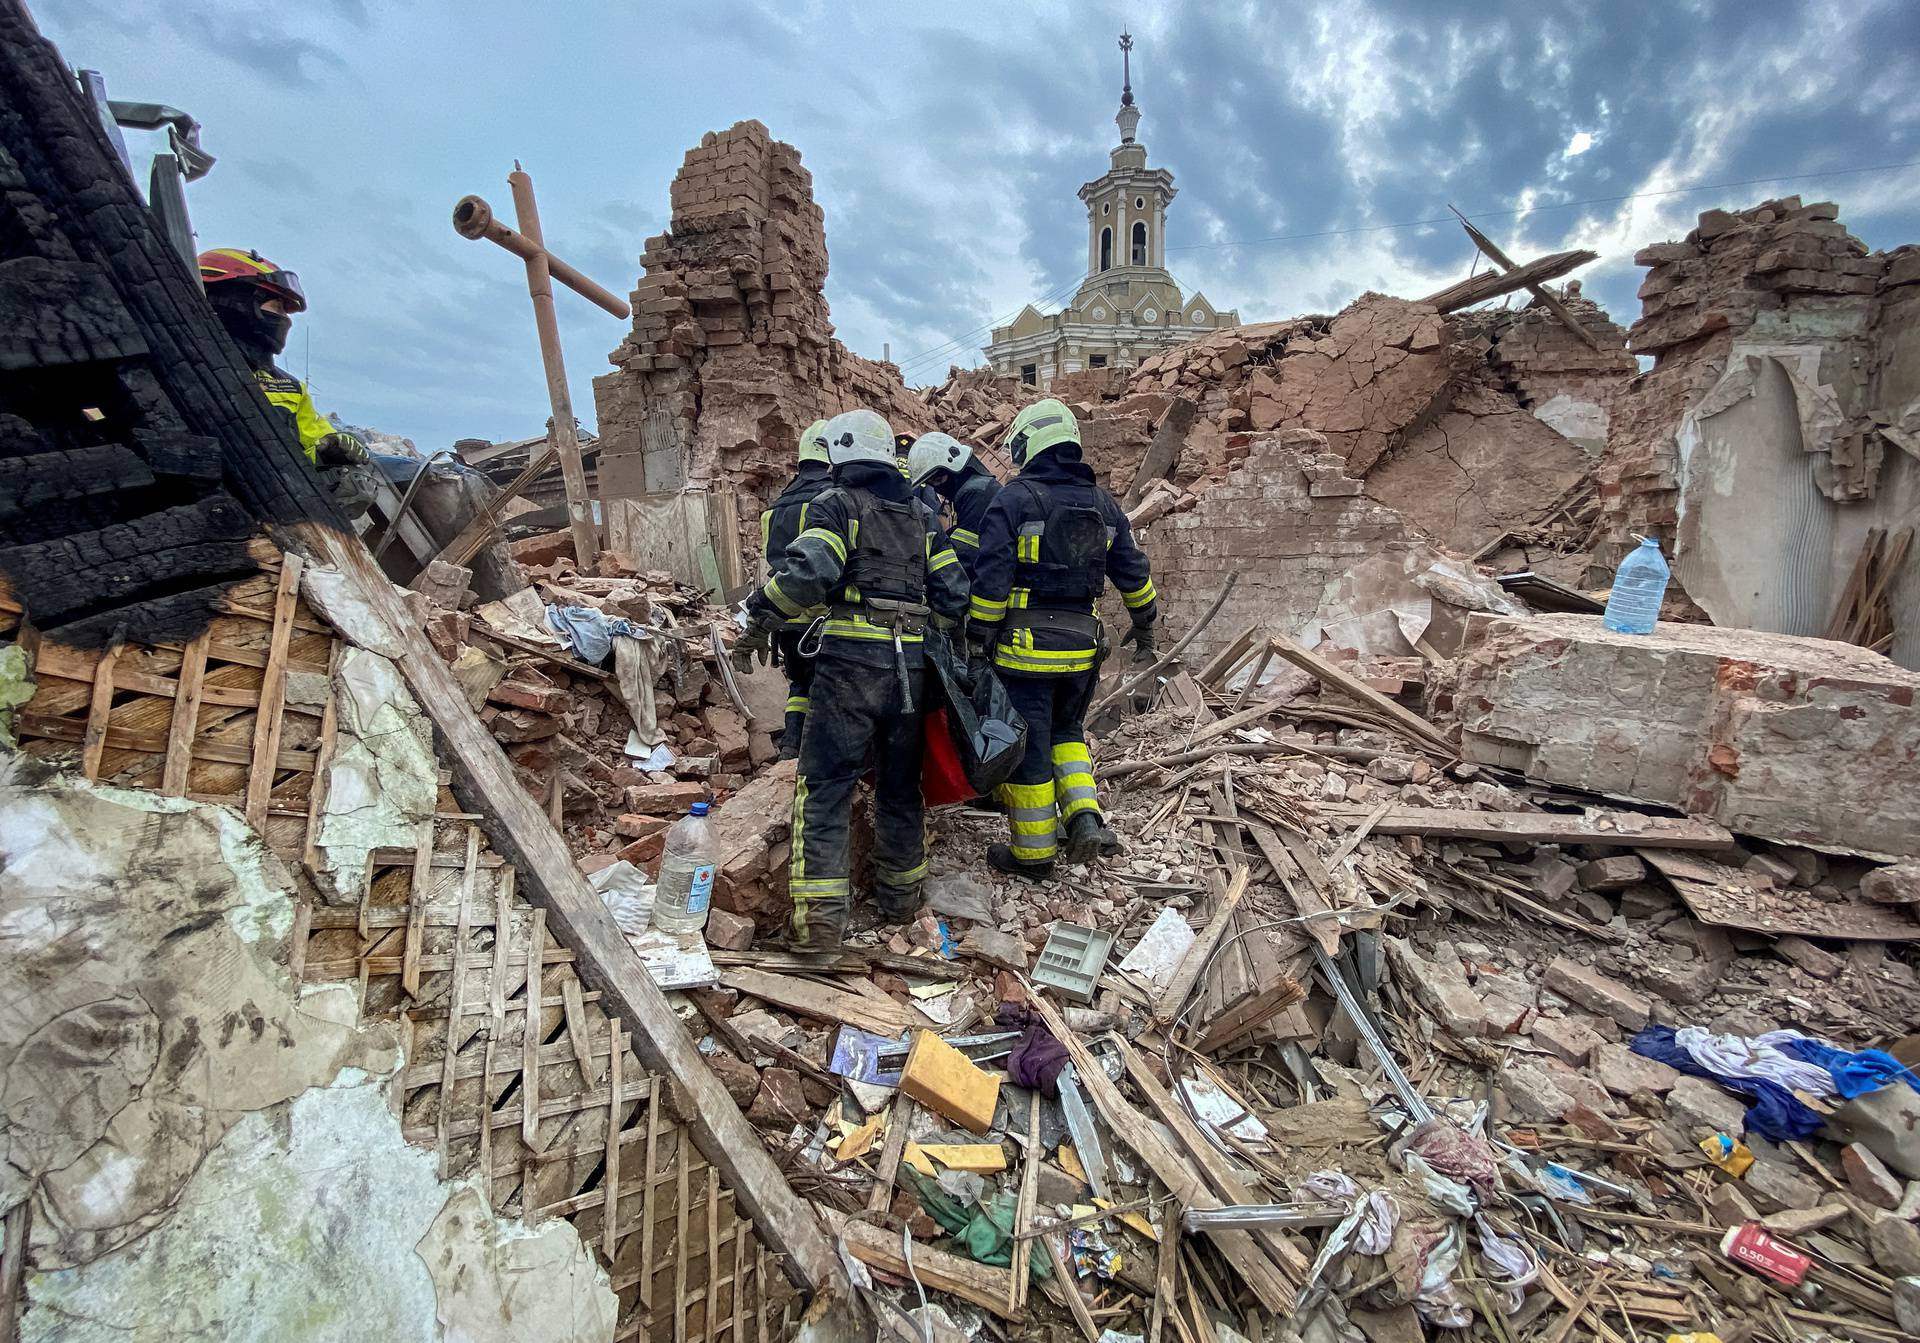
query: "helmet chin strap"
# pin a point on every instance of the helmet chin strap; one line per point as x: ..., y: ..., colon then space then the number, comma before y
x: 260, y: 335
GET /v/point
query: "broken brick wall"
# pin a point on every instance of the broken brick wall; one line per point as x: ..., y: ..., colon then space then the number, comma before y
x: 1778, y: 423
x: 732, y: 353
x: 1565, y: 381
x: 1288, y: 521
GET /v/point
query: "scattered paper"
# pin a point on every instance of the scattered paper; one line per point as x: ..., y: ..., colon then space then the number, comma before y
x: 1159, y: 951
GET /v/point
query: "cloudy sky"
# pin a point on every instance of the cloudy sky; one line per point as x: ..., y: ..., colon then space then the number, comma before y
x: 1309, y: 142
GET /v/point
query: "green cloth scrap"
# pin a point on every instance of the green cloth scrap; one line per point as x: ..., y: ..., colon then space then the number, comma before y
x: 16, y: 688
x: 985, y: 1235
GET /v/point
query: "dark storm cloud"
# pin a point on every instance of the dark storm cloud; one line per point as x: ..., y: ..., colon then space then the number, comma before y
x: 946, y: 149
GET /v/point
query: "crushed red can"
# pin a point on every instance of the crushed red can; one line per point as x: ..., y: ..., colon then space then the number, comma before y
x: 1753, y: 1246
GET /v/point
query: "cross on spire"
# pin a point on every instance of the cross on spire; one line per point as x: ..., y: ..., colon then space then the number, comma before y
x: 1126, y: 69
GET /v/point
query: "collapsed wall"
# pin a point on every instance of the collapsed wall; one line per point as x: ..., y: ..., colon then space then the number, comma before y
x: 1780, y: 421
x: 732, y: 353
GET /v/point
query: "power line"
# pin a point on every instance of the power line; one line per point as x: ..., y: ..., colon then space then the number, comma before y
x: 966, y: 338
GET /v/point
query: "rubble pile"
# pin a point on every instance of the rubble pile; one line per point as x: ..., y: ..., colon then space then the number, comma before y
x: 732, y: 353
x: 618, y: 718
x: 1416, y: 1025
x: 1783, y: 356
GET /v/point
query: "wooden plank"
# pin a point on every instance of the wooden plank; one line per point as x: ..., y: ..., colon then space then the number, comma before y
x: 456, y: 998
x: 1241, y: 1019
x: 99, y: 708
x: 1418, y: 729
x: 475, y: 536
x: 647, y: 1202
x: 13, y: 1268
x: 485, y: 783
x: 1024, y: 1205
x: 43, y: 726
x: 273, y: 690
x: 186, y: 715
x: 530, y: 1039
x: 887, y: 1169
x: 1163, y: 1276
x: 322, y: 773
x: 1063, y: 1274
x: 1202, y: 1153
x: 574, y: 1006
x: 418, y: 890
x: 937, y: 1270
x: 1541, y: 827
x: 610, y: 1210
x: 820, y: 1002
x: 1268, y: 1281
x: 1288, y: 851
x: 1547, y: 300
x: 1180, y: 985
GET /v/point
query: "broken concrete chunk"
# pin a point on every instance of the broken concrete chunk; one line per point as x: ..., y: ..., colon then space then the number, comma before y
x: 1869, y: 1177
x: 1729, y: 1206
x: 1696, y: 1102
x: 1596, y: 992
x: 1896, y: 885
x: 1612, y: 874
x: 781, y: 1101
x: 1572, y: 1040
x: 1816, y: 962
x: 1440, y: 986
x: 1895, y: 1244
x: 728, y: 932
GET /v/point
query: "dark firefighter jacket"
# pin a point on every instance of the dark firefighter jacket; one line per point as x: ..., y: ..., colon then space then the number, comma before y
x: 787, y: 519
x: 972, y: 492
x: 1010, y: 538
x: 809, y: 573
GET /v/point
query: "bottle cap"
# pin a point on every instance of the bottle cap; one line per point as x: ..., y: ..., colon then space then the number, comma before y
x: 698, y: 809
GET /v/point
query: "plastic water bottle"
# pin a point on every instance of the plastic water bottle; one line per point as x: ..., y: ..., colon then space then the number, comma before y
x: 1638, y: 585
x: 685, y: 888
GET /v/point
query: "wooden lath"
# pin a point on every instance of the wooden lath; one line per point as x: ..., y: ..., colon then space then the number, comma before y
x: 185, y: 719
x: 560, y: 1119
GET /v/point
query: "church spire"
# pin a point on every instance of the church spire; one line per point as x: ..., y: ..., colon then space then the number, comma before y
x: 1129, y: 116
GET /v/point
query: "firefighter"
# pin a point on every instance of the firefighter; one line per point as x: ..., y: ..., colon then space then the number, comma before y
x: 869, y: 554
x: 950, y: 468
x: 778, y: 526
x: 256, y: 300
x: 1051, y: 540
x: 903, y: 454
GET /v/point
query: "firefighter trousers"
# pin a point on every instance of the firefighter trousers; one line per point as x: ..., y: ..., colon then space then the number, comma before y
x: 799, y: 672
x: 1053, y: 782
x: 856, y: 714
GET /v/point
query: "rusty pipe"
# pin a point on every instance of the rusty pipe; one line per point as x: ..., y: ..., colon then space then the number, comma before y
x: 473, y: 218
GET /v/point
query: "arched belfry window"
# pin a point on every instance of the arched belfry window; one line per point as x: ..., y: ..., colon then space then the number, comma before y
x: 1106, y: 249
x: 1139, y: 243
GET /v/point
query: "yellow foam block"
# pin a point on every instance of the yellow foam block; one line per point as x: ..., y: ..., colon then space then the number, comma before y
x: 984, y: 1157
x: 918, y: 1159
x: 949, y: 1083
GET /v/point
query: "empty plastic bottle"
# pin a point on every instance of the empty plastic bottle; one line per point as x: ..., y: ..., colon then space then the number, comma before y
x: 685, y: 888
x: 1638, y: 585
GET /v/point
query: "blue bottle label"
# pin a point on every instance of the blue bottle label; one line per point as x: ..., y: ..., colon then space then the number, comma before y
x: 701, y: 892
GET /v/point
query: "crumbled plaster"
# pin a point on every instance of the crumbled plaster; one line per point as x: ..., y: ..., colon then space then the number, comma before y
x: 383, y: 778
x: 210, y: 1154
x: 330, y: 594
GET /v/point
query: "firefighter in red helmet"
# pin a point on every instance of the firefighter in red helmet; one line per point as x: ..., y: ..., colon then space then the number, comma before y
x: 256, y: 300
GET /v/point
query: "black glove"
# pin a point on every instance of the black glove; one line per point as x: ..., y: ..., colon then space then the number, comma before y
x: 352, y: 487
x: 980, y: 640
x: 338, y: 449
x: 755, y: 642
x: 1141, y: 637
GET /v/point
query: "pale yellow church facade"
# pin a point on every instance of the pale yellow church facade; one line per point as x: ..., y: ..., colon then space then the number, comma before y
x: 1128, y: 306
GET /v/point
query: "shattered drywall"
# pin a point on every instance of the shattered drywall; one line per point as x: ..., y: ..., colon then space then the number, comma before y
x: 1774, y: 429
x: 187, y: 1124
x: 382, y: 780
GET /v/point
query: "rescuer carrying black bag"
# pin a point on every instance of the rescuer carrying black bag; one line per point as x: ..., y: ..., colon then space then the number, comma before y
x: 988, y: 735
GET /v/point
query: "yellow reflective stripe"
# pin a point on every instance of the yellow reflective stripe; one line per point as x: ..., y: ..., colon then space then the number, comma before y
x: 1032, y: 819
x: 766, y: 528
x: 797, y: 861
x: 798, y: 703
x: 982, y: 608
x: 1027, y: 548
x: 961, y: 536
x: 803, y: 514
x: 905, y: 876
x: 853, y: 532
x: 788, y: 606
x: 1073, y: 778
x: 1072, y: 753
x: 856, y: 628
x: 834, y: 543
x: 1029, y: 661
x: 942, y: 560
x: 1019, y: 598
x: 1140, y: 596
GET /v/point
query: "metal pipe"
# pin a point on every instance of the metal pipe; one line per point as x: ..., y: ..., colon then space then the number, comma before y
x: 566, y: 440
x: 473, y: 218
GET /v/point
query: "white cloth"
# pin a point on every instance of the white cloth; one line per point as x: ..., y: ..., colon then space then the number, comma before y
x: 1738, y: 1056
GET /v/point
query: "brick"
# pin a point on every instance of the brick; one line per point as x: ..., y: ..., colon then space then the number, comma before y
x: 1698, y: 1103
x: 1815, y: 961
x: 949, y: 1083
x: 1612, y: 874
x: 1570, y: 1039
x: 636, y: 826
x: 1730, y: 1207
x: 781, y: 1100
x: 728, y: 932
x: 1598, y: 993
x: 1869, y: 1177
x: 1440, y: 986
x: 741, y: 1079
x: 671, y: 798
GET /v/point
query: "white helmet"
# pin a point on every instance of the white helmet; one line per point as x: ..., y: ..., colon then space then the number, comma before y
x: 859, y: 436
x: 935, y: 452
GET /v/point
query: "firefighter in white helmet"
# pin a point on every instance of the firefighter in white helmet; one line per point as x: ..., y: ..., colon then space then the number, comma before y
x: 884, y: 571
x: 956, y: 474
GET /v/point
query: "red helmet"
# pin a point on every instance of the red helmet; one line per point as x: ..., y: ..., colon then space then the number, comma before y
x: 224, y: 264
